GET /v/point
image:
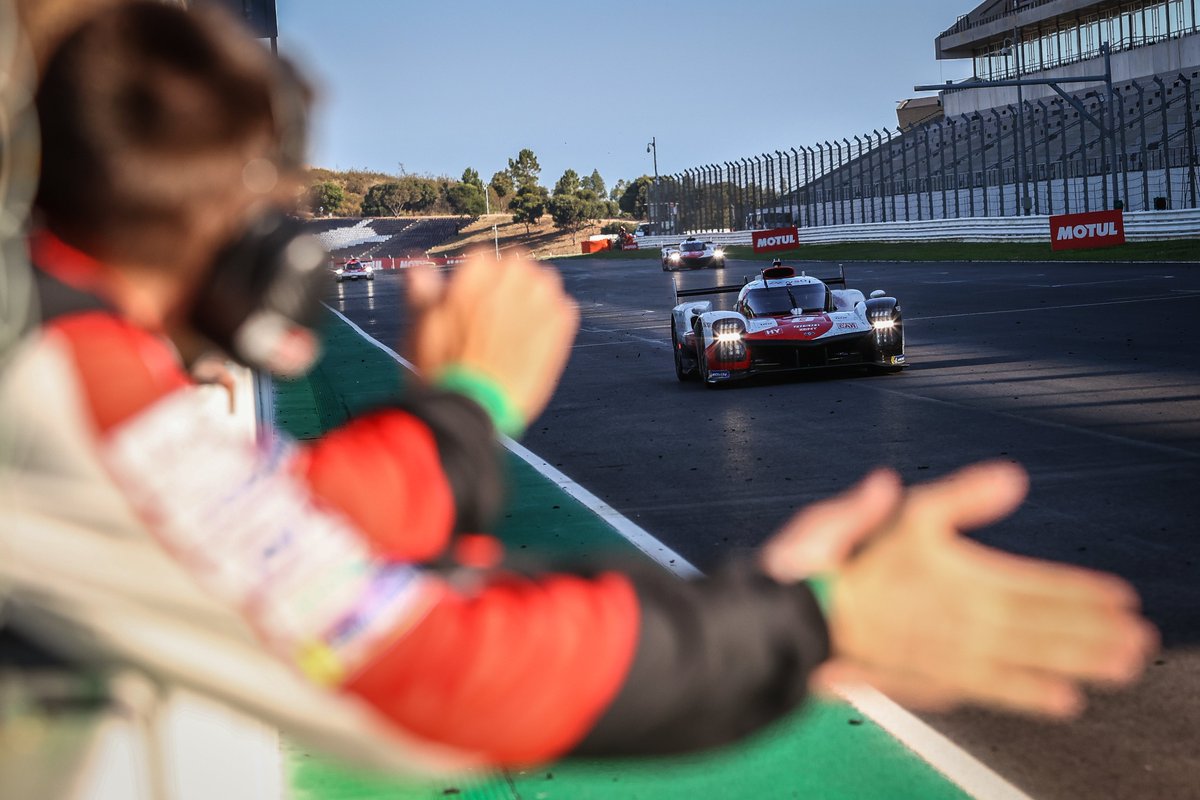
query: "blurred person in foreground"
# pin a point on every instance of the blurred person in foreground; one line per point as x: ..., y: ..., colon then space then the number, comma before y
x: 165, y: 140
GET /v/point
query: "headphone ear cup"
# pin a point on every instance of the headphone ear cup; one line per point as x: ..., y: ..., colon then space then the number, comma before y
x: 263, y: 296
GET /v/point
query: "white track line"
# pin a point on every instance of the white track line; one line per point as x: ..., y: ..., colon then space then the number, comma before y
x: 960, y: 767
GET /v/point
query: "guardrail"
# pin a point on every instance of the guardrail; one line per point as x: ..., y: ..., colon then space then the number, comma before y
x: 1140, y: 226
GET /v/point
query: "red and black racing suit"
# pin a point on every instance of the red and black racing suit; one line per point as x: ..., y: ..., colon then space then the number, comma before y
x: 517, y: 668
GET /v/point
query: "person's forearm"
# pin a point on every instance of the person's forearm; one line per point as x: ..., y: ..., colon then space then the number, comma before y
x: 716, y: 659
x: 411, y: 477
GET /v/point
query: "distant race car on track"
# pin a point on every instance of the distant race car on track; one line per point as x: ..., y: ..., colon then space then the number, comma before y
x: 692, y: 253
x: 785, y: 322
x: 354, y: 269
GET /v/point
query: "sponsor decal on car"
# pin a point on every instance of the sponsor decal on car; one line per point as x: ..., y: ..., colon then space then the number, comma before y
x: 775, y: 239
x: 718, y: 373
x: 1082, y: 231
x: 897, y: 359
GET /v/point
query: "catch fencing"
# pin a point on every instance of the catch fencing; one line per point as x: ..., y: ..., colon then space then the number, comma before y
x: 1041, y: 157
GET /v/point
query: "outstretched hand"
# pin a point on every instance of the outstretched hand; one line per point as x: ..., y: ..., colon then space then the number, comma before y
x: 510, y: 321
x: 935, y: 619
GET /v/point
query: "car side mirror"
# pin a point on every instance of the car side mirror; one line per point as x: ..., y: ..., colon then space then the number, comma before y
x: 878, y: 293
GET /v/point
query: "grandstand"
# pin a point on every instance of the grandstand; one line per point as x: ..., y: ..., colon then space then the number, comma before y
x: 384, y: 237
x: 992, y: 155
x: 1061, y: 39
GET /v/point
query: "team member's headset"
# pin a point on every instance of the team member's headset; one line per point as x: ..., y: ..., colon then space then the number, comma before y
x: 261, y: 301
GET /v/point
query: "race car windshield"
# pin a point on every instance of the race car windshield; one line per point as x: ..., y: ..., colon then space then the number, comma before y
x: 782, y: 299
x: 692, y: 247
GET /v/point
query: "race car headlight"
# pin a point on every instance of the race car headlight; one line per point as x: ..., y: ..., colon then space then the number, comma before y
x: 673, y: 256
x: 728, y: 334
x: 719, y: 252
x: 883, y: 324
x: 339, y: 271
x: 369, y: 269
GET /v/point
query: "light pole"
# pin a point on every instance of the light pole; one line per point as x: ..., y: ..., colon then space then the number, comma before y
x: 652, y: 147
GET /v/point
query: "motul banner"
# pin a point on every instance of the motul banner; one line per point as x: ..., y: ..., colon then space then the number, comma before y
x: 1081, y: 231
x: 775, y: 239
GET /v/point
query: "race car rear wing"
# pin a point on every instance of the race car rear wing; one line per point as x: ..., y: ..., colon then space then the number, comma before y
x: 839, y: 280
x: 733, y: 287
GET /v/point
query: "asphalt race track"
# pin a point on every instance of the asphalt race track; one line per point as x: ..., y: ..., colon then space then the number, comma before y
x: 1087, y: 374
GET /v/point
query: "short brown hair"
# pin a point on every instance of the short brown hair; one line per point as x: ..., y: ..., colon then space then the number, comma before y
x: 149, y: 115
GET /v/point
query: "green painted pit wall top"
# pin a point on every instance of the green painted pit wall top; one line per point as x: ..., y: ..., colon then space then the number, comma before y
x: 828, y: 750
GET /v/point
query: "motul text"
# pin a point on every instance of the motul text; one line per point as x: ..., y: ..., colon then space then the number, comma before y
x: 1079, y: 231
x: 775, y: 239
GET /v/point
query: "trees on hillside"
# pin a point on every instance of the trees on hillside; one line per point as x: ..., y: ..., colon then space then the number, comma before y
x: 503, y: 187
x: 529, y: 205
x: 524, y: 170
x: 392, y: 198
x: 327, y: 198
x: 567, y: 184
x: 576, y: 203
x: 466, y: 196
x: 593, y: 183
x: 617, y: 190
x: 471, y: 176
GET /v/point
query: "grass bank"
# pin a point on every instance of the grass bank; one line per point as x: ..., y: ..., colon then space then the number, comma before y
x: 1178, y: 250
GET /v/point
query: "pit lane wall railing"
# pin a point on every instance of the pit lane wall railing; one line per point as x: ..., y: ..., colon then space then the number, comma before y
x: 1140, y: 226
x: 1037, y: 157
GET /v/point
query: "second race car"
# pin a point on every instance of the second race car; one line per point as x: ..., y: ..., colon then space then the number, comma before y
x: 692, y: 253
x: 784, y: 322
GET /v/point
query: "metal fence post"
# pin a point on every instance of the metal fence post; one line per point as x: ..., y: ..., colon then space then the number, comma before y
x: 846, y: 181
x: 783, y: 178
x: 880, y: 188
x: 840, y: 186
x: 756, y: 193
x: 999, y: 159
x: 809, y: 196
x: 1142, y: 146
x: 942, y: 171
x: 685, y: 200
x: 709, y: 188
x: 1032, y: 184
x: 1046, y: 164
x: 794, y: 180
x: 1104, y: 148
x: 953, y: 123
x: 1123, y: 155
x: 744, y: 210
x: 1191, y: 138
x: 772, y: 187
x: 928, y: 173
x: 730, y: 195
x: 821, y: 198
x: 1166, y: 140
x: 891, y: 173
x: 862, y: 193
x: 1016, y: 159
x: 970, y: 165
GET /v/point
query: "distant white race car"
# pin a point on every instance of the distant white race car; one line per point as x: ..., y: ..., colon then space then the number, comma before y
x: 785, y: 322
x: 692, y: 253
x: 353, y: 270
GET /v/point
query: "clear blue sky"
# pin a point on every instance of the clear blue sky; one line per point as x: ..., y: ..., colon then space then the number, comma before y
x: 439, y: 85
